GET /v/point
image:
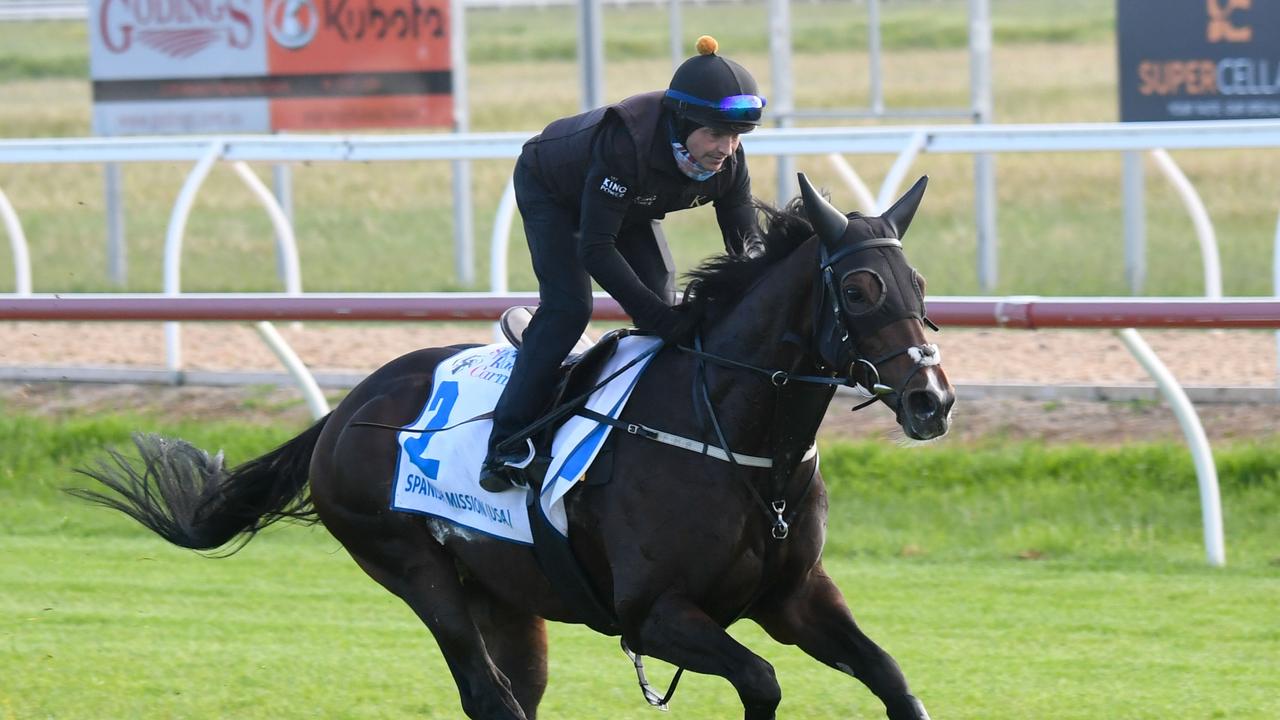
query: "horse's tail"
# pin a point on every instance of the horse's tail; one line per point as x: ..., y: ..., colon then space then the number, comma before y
x: 188, y: 498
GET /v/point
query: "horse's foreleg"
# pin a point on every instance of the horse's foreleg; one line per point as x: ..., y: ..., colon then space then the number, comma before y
x: 676, y: 631
x: 816, y: 619
x: 517, y: 643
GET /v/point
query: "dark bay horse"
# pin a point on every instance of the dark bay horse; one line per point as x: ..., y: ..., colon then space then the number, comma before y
x: 677, y: 545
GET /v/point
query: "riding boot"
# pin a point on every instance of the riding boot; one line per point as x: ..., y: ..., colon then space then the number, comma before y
x: 499, y: 473
x: 547, y: 341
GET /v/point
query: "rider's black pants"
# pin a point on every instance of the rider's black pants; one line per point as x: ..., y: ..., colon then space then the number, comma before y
x: 564, y: 297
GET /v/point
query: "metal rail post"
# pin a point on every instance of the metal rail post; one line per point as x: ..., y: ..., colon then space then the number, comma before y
x: 18, y: 244
x: 1193, y: 430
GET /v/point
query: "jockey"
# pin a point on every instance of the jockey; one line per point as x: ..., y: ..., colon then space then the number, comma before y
x: 592, y: 190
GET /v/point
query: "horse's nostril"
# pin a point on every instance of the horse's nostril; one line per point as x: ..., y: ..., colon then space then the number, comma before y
x: 922, y: 404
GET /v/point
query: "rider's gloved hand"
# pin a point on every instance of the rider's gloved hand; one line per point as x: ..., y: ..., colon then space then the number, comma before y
x: 676, y: 325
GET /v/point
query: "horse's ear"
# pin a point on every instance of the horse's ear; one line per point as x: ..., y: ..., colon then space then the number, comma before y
x: 828, y: 222
x: 899, y: 216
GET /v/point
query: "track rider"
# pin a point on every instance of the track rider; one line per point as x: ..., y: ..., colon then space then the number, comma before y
x: 592, y: 190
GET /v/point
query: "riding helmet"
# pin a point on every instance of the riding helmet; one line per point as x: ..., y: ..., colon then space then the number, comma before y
x: 713, y: 91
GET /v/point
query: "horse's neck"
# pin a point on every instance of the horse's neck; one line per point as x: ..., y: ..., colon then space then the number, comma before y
x: 771, y: 328
x: 773, y: 324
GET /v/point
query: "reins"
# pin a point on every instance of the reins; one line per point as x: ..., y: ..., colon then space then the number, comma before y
x: 774, y: 508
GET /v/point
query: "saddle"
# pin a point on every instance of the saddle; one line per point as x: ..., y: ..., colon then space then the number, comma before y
x: 578, y: 372
x: 515, y: 320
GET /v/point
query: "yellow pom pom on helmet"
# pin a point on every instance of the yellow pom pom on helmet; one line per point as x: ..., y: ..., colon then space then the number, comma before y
x: 714, y: 91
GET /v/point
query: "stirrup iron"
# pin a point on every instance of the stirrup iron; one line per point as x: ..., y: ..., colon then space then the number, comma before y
x: 651, y: 696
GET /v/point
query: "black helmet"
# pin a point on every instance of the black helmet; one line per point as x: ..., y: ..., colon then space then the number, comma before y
x: 713, y: 91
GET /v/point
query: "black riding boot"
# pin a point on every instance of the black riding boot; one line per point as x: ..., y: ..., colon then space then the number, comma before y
x: 504, y: 470
x: 547, y: 341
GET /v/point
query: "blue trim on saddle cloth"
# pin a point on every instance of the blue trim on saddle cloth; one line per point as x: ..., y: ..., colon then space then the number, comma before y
x: 569, y: 468
x: 437, y: 472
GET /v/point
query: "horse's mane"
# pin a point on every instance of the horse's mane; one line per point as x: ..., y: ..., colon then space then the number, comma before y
x: 721, y: 281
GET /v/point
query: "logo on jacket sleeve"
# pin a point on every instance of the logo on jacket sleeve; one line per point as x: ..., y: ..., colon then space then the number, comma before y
x: 613, y: 187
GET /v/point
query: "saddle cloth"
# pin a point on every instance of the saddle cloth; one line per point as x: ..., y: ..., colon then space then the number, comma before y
x: 437, y: 472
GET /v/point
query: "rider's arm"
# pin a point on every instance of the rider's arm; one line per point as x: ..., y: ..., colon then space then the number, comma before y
x: 608, y: 191
x: 736, y: 216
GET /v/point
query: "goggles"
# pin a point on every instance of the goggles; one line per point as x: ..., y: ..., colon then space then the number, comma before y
x: 735, y: 107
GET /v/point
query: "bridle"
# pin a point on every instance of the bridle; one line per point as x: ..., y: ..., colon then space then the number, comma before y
x: 833, y: 339
x: 833, y: 329
x: 831, y: 342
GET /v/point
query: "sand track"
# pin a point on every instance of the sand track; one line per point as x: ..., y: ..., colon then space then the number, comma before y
x: 1200, y: 357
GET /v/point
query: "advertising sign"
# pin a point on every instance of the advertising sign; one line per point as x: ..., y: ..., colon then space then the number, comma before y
x: 215, y: 66
x: 1198, y: 59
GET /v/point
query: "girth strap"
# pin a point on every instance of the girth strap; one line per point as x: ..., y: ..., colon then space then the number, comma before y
x: 564, y: 571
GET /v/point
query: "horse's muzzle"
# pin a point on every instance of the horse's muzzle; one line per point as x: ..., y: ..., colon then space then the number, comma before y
x: 925, y: 413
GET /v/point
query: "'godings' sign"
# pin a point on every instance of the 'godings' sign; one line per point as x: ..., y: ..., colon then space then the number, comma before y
x: 214, y: 66
x: 1198, y: 59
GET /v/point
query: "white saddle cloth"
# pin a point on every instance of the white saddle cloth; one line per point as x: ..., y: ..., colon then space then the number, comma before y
x: 437, y: 472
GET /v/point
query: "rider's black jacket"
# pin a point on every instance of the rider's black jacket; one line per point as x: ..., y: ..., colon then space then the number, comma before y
x: 614, y: 167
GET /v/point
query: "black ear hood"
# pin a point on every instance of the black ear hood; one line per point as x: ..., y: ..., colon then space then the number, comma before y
x: 828, y: 222
x: 900, y: 215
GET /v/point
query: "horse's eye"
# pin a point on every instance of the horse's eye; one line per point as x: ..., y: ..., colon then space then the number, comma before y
x: 861, y: 292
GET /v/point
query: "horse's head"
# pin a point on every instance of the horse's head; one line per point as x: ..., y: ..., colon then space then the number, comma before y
x: 871, y: 314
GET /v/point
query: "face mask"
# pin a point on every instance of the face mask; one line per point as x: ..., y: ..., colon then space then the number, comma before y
x: 684, y: 160
x: 688, y: 165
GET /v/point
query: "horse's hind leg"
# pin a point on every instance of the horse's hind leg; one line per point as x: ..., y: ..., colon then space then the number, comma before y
x: 677, y: 631
x: 424, y: 576
x: 517, y: 643
x: 816, y: 618
x: 400, y: 553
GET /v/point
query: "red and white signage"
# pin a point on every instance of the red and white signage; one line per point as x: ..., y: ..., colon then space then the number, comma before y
x: 215, y: 66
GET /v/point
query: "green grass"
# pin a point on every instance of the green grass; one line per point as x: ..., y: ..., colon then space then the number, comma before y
x: 1009, y: 582
x: 289, y: 628
x: 388, y: 226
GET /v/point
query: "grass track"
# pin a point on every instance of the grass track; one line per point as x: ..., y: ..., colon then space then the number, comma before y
x: 290, y: 629
x: 1119, y: 618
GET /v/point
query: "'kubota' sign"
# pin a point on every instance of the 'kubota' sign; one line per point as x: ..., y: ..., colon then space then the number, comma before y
x: 213, y: 66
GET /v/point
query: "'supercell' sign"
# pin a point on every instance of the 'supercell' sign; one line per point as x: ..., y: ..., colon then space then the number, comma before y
x: 213, y: 66
x: 1198, y: 59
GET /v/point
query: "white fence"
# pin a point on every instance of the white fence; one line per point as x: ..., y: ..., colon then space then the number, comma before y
x: 906, y: 143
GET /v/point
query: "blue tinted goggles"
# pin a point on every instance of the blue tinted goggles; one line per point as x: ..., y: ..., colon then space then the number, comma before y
x: 735, y: 107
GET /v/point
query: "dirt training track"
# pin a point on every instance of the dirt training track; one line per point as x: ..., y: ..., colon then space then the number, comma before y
x: 1196, y: 357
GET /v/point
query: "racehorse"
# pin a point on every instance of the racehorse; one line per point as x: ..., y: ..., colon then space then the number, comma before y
x: 677, y: 545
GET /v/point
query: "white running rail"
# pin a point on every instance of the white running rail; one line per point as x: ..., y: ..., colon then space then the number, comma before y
x: 18, y: 244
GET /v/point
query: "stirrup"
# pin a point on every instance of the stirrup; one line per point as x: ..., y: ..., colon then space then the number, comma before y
x: 506, y: 472
x: 528, y: 458
x: 651, y: 696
